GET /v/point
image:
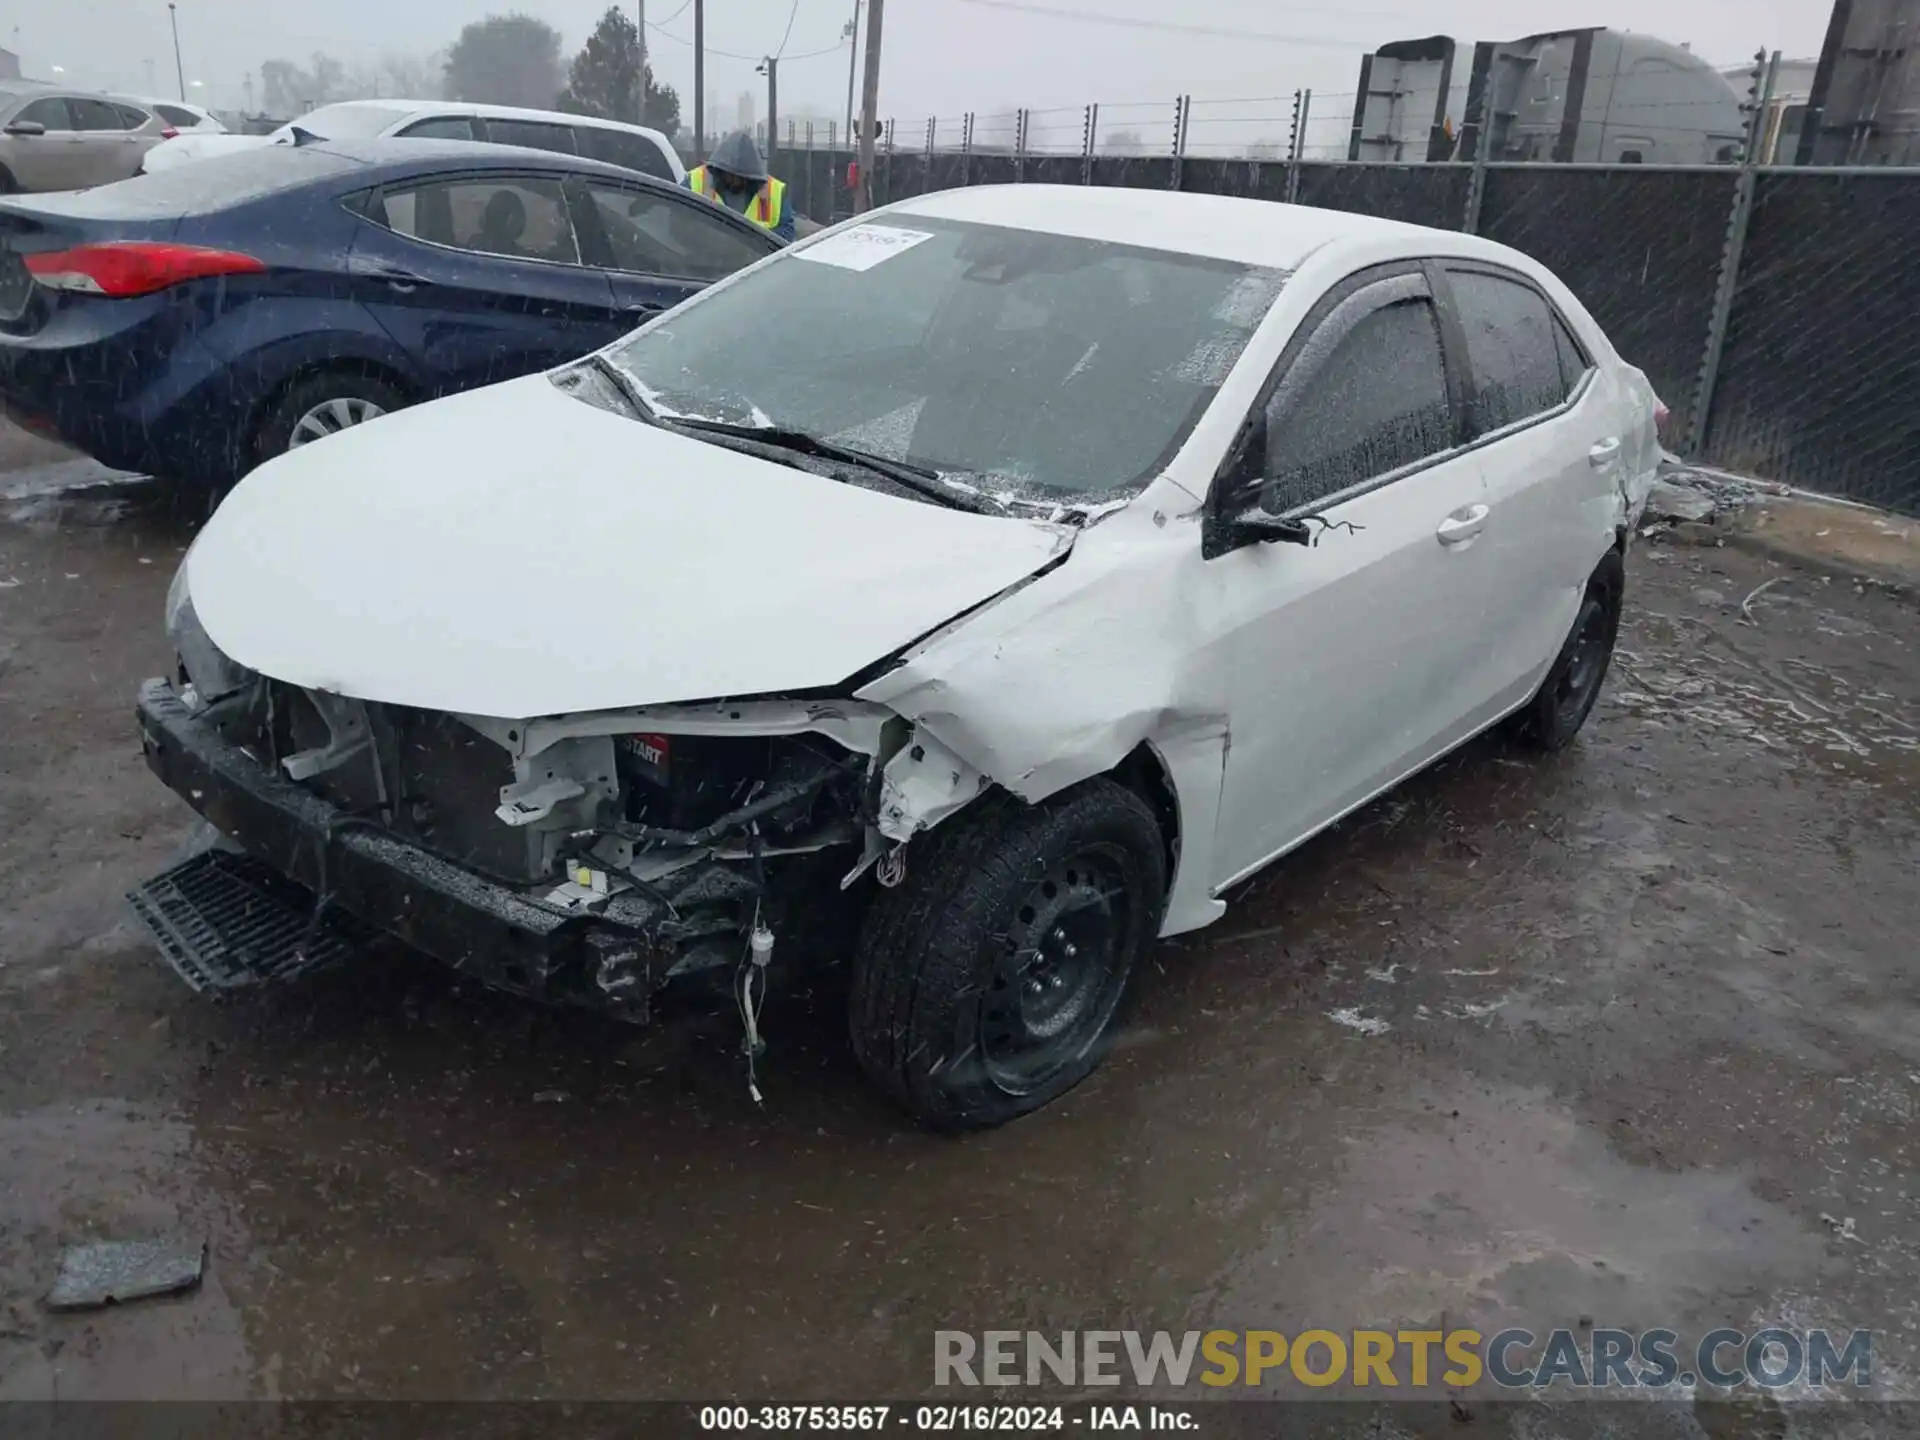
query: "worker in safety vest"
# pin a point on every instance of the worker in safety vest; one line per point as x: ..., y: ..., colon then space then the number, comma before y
x: 735, y: 176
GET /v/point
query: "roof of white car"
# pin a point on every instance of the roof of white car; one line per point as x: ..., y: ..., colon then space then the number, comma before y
x: 488, y: 112
x: 1224, y: 227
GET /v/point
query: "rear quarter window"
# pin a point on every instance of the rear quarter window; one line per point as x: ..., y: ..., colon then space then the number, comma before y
x: 625, y: 149
x: 174, y: 115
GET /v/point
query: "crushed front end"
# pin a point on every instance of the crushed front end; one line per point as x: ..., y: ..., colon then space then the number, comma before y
x: 585, y: 860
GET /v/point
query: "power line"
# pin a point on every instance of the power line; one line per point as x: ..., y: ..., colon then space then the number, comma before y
x: 1132, y: 22
x: 788, y: 35
x: 750, y: 59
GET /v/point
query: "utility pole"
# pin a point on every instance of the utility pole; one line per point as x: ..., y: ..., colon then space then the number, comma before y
x: 699, y: 81
x: 852, y: 37
x: 179, y: 70
x: 770, y: 67
x: 641, y: 118
x: 869, y: 105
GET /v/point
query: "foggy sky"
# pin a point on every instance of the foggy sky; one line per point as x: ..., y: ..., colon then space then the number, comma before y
x: 942, y: 57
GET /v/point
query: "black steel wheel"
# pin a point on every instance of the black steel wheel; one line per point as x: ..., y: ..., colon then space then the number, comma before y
x: 1566, y: 697
x: 1058, y: 980
x: 992, y: 979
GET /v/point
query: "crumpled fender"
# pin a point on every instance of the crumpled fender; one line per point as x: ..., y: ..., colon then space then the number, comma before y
x: 1061, y: 679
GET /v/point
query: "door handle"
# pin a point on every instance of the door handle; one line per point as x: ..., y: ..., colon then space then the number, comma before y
x: 1462, y: 525
x: 1604, y: 453
x: 402, y: 280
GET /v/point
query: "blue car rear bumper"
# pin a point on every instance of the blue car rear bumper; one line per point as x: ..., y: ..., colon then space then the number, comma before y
x: 148, y: 394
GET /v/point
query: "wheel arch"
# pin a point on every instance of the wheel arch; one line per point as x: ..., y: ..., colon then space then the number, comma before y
x: 271, y: 396
x: 1144, y: 771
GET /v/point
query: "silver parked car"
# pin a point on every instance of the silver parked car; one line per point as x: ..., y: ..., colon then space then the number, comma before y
x: 54, y: 139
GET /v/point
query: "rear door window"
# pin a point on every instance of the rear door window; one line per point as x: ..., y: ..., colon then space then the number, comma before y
x: 441, y: 127
x: 1573, y: 358
x: 174, y: 115
x: 518, y: 216
x: 132, y: 117
x: 49, y: 111
x: 1376, y: 404
x: 1511, y: 349
x: 534, y: 134
x: 648, y: 233
x: 624, y: 148
x: 90, y: 114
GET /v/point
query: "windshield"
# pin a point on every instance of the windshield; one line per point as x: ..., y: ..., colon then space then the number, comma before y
x: 343, y: 122
x: 1023, y: 365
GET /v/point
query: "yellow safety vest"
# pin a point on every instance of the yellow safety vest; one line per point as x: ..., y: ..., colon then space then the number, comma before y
x: 766, y: 207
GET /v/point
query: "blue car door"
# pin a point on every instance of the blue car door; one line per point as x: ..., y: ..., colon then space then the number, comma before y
x: 657, y: 244
x: 479, y: 277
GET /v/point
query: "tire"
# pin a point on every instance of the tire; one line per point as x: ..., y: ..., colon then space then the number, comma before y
x: 991, y: 980
x: 1565, y: 698
x: 332, y: 396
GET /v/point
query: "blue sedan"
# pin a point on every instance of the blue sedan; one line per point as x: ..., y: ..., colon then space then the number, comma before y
x: 194, y: 323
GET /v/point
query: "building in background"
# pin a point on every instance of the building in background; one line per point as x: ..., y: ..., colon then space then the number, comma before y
x: 1864, y: 103
x: 1587, y: 95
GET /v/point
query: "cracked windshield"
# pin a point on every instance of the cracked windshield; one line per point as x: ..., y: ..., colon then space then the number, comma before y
x: 1020, y: 366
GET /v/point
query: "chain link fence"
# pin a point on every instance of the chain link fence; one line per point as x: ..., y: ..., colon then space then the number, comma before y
x: 1809, y: 356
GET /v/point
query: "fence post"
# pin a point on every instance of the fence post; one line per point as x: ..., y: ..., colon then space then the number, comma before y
x: 887, y: 169
x: 926, y: 169
x: 1765, y: 69
x: 966, y: 149
x: 1296, y: 138
x: 1088, y: 126
x: 1476, y: 184
x: 1019, y: 145
x: 1180, y: 107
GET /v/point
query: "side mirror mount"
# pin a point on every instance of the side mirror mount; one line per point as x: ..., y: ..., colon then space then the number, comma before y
x: 1247, y: 520
x: 26, y: 127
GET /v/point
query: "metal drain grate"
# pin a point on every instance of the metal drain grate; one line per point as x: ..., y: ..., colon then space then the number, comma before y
x: 224, y: 921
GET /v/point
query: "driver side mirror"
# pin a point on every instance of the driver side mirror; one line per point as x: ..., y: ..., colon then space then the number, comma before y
x: 26, y: 127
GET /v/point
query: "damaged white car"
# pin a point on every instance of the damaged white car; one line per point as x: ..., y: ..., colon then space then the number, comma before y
x: 975, y: 591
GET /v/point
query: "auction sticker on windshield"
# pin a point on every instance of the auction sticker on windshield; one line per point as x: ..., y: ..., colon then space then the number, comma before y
x: 863, y: 247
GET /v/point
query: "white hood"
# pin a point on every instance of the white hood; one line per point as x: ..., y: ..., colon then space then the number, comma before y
x: 516, y: 552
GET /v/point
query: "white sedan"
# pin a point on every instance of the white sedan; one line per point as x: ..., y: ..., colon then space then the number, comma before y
x: 976, y: 591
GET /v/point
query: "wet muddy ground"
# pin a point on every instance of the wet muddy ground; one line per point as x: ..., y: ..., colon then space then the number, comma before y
x: 1630, y: 1036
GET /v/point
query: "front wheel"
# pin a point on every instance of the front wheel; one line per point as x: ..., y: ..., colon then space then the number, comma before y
x: 322, y: 405
x: 1566, y: 697
x: 991, y: 981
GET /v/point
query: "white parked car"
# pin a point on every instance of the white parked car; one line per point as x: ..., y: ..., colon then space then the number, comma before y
x: 635, y: 147
x: 183, y: 117
x: 993, y: 581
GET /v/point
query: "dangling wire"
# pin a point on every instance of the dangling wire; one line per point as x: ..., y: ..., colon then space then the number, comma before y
x: 754, y: 964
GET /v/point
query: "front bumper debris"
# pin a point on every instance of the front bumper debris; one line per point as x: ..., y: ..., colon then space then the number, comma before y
x: 611, y: 960
x: 225, y: 921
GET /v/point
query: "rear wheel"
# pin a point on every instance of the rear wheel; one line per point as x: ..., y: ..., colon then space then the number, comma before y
x: 990, y: 982
x: 322, y: 405
x: 1566, y: 697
